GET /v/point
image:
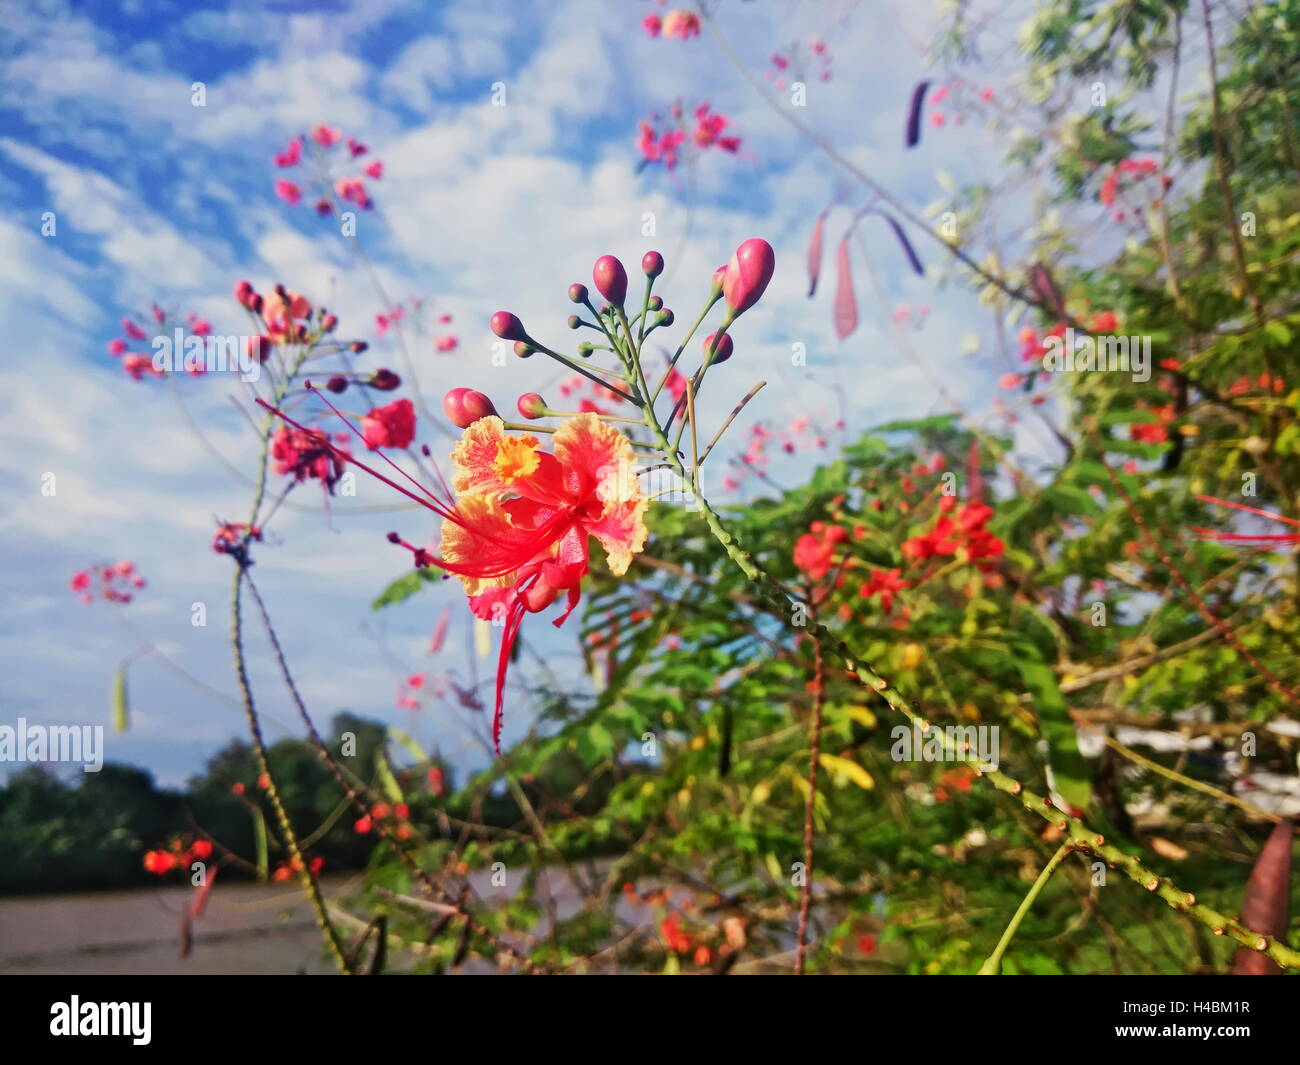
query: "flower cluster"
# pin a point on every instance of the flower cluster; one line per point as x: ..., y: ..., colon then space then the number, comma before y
x: 109, y: 582
x: 814, y: 551
x: 285, y: 870
x: 177, y: 855
x: 1124, y: 175
x: 798, y: 61
x: 138, y: 365
x: 958, y: 532
x: 350, y: 189
x: 661, y: 142
x: 399, y: 814
x: 799, y: 435
x: 308, y: 454
x: 675, y: 23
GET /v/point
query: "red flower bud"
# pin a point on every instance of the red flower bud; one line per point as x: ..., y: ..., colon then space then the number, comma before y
x: 522, y: 349
x: 243, y: 292
x: 358, y: 346
x: 531, y: 405
x: 384, y: 380
x: 611, y: 279
x: 652, y: 264
x: 337, y: 384
x: 255, y: 303
x: 725, y: 347
x: 747, y: 274
x: 464, y: 406
x: 655, y: 303
x: 578, y: 293
x: 507, y: 326
x: 718, y: 275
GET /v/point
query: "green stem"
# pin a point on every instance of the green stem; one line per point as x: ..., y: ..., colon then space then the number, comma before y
x: 993, y: 965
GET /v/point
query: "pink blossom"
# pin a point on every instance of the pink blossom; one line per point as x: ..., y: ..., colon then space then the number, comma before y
x: 325, y: 136
x: 288, y: 192
x: 291, y: 156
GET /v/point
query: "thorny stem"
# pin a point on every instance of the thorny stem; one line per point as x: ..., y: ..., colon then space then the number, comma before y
x: 993, y: 965
x: 809, y: 810
x: 309, y: 883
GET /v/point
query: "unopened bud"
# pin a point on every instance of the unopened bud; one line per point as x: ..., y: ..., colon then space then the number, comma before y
x: 531, y: 405
x: 464, y: 406
x: 725, y: 347
x: 507, y: 326
x: 610, y: 279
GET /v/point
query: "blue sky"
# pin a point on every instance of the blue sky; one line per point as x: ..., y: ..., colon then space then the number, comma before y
x: 480, y: 208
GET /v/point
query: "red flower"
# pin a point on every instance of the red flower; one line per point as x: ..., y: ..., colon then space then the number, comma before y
x: 885, y: 584
x: 159, y: 862
x: 813, y: 550
x: 307, y: 453
x: 674, y: 937
x: 390, y: 426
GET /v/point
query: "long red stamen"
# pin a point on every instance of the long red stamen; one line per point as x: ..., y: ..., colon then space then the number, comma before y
x: 436, y: 505
x: 362, y: 437
x: 1249, y: 510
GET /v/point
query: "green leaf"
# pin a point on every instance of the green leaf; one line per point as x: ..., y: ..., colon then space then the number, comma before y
x: 119, y: 702
x: 387, y: 782
x: 405, y: 586
x: 1069, y: 770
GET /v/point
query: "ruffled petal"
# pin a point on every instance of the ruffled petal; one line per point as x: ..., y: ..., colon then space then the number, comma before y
x: 598, y: 458
x: 621, y: 532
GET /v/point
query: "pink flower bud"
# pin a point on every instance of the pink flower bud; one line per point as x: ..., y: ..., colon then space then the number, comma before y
x: 610, y: 279
x: 243, y: 291
x: 507, y: 326
x: 464, y: 406
x: 531, y: 405
x: 718, y: 276
x: 652, y: 264
x: 578, y: 293
x: 522, y: 349
x: 725, y: 347
x: 747, y: 274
